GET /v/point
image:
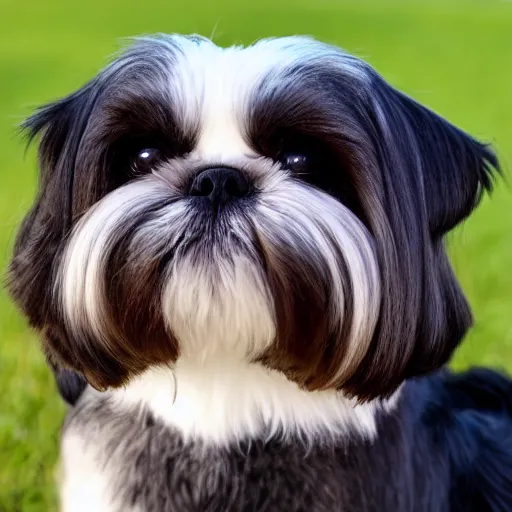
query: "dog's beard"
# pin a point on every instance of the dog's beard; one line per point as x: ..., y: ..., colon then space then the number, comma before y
x: 286, y: 276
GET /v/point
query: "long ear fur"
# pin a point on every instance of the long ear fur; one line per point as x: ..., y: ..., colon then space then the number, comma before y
x: 43, y: 231
x: 428, y: 176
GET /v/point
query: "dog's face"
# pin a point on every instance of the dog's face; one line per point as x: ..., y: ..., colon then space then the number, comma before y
x: 279, y: 203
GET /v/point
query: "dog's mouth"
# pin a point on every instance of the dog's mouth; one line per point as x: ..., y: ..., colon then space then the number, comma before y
x: 221, y: 216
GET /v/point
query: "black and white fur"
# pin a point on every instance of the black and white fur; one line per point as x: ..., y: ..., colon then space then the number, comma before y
x: 236, y: 263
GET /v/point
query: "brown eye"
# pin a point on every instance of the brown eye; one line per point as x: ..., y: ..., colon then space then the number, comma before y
x: 146, y: 159
x: 297, y: 163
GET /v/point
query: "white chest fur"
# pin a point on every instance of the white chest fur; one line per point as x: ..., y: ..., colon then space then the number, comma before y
x: 224, y: 401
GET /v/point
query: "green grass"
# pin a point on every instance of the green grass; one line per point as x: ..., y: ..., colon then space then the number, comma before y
x: 454, y: 56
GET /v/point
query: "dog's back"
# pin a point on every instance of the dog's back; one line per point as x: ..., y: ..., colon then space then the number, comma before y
x: 469, y: 416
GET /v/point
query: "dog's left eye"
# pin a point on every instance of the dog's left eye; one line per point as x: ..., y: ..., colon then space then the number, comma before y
x: 146, y: 159
x: 297, y: 163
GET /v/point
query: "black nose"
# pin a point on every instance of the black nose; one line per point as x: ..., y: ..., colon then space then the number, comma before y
x: 220, y: 185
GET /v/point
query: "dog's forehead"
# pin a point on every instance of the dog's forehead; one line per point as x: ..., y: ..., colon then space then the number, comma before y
x: 213, y: 88
x: 216, y: 86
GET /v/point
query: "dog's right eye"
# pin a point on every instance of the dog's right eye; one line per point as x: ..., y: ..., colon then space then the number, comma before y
x: 297, y: 163
x: 146, y: 159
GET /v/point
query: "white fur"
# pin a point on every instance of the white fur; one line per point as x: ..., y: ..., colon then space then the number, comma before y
x: 214, y: 304
x: 85, y: 484
x: 219, y: 307
x: 222, y: 401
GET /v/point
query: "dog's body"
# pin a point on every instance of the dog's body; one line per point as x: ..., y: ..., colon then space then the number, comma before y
x: 236, y: 263
x: 444, y: 445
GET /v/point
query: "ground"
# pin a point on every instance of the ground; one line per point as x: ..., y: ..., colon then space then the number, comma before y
x: 454, y: 56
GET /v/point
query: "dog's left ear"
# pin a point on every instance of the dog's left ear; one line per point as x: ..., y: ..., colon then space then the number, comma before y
x: 455, y: 169
x: 424, y: 176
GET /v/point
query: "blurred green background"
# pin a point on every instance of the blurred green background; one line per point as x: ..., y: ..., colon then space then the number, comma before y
x: 454, y: 56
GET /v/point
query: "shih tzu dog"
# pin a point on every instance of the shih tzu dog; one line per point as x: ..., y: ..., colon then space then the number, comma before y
x: 236, y: 264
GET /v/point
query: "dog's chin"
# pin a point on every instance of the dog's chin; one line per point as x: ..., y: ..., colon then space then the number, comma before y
x: 288, y: 277
x: 223, y: 306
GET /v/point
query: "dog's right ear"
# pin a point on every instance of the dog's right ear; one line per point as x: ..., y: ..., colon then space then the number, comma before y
x: 30, y: 276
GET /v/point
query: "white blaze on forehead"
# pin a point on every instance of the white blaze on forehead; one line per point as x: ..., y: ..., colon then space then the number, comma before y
x: 213, y: 86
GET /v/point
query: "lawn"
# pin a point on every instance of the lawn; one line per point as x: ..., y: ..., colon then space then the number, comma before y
x: 454, y: 56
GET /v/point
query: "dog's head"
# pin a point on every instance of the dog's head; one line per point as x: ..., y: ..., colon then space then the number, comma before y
x: 280, y: 203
